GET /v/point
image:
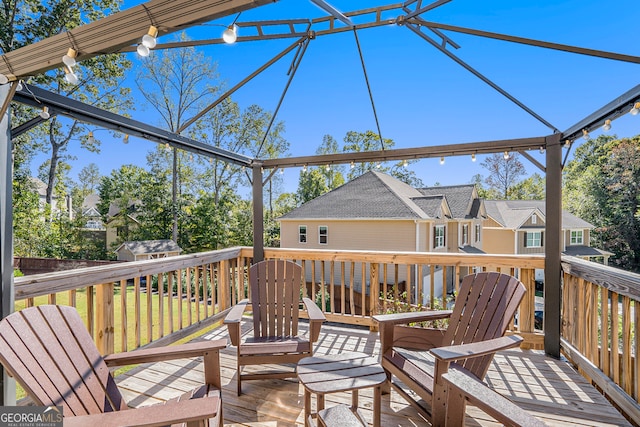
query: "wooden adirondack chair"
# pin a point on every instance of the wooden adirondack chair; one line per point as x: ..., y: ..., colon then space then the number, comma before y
x: 51, y: 354
x: 275, y: 303
x: 484, y: 307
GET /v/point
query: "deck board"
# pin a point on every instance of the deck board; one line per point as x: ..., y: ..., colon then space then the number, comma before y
x: 549, y: 389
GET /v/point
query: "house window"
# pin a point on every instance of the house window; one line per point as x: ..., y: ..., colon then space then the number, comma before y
x: 533, y: 239
x: 302, y: 234
x: 534, y: 219
x: 477, y: 232
x: 323, y: 234
x: 438, y: 236
x: 576, y: 237
x: 465, y: 234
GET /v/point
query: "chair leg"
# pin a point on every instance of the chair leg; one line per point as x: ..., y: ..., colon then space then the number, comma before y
x: 239, y: 379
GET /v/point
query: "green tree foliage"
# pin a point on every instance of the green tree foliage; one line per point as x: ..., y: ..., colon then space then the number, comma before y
x: 503, y: 173
x: 602, y: 186
x: 311, y: 184
x: 532, y: 188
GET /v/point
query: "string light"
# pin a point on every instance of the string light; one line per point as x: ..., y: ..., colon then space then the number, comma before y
x: 506, y: 155
x: 126, y: 138
x: 353, y: 165
x: 607, y: 125
x: 282, y: 171
x: 567, y: 143
x: 70, y: 76
x: 327, y: 168
x: 378, y: 165
x: 405, y: 164
x: 69, y: 59
x: 585, y: 134
x: 442, y: 160
x: 473, y: 157
x: 230, y: 35
x: 304, y: 168
x: 45, y: 113
x: 90, y: 138
x: 636, y: 109
x: 541, y: 149
x: 148, y: 42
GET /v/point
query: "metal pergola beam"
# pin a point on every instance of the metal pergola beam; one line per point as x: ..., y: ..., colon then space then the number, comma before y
x: 486, y: 147
x: 58, y: 104
x: 114, y: 32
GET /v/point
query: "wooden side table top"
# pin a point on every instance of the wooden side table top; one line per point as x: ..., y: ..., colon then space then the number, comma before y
x: 340, y: 372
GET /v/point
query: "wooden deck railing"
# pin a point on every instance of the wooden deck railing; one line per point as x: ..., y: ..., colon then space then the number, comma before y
x: 601, y: 317
x: 153, y: 302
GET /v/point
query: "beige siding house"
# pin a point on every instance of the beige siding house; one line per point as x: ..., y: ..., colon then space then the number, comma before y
x: 378, y: 212
x: 518, y: 227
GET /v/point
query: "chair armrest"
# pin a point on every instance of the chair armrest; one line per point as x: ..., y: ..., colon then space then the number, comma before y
x: 316, y: 317
x: 182, y: 351
x: 468, y: 386
x: 476, y: 349
x: 236, y: 312
x: 411, y: 317
x: 153, y: 415
x: 232, y: 320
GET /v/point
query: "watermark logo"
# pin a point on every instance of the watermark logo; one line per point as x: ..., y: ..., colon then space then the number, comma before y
x: 30, y: 416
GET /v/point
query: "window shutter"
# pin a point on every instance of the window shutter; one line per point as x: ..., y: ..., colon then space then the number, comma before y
x: 542, y: 238
x: 525, y: 239
x: 434, y: 237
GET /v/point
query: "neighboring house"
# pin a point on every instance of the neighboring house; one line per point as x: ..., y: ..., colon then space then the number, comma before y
x: 518, y: 227
x: 147, y: 249
x: 380, y: 213
x: 90, y: 212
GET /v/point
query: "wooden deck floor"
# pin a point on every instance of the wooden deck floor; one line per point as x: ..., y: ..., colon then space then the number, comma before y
x: 549, y: 389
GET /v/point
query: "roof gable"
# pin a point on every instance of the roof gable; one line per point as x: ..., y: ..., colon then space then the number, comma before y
x: 514, y: 213
x: 462, y: 199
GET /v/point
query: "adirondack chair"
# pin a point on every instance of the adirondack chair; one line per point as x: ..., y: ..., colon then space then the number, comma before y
x: 484, y: 307
x: 275, y: 303
x: 49, y: 351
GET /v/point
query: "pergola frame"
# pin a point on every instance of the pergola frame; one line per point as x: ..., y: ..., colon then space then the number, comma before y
x: 120, y: 31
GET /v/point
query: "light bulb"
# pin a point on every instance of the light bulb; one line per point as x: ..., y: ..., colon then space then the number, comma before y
x: 230, y: 35
x: 541, y: 150
x: 90, y: 139
x: 567, y: 143
x: 45, y: 113
x: 473, y: 157
x: 70, y: 58
x: 636, y: 109
x: 442, y: 160
x: 149, y: 40
x: 506, y: 155
x: 70, y: 76
x: 353, y: 165
x: 405, y: 164
x: 378, y: 165
x: 304, y: 168
x: 126, y: 138
x: 143, y: 50
x: 19, y: 87
x: 607, y: 125
x: 585, y: 134
x: 3, y: 79
x: 281, y: 171
x: 327, y: 168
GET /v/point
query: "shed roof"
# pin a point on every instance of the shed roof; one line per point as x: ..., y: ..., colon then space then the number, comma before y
x: 142, y: 247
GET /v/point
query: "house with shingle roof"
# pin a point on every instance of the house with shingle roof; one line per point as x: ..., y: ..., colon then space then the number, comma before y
x: 518, y: 227
x: 378, y: 212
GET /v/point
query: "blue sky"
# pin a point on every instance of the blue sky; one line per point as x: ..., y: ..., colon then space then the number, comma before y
x: 422, y: 97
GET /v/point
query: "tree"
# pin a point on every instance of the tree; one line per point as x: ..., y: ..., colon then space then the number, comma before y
x: 503, y: 173
x: 602, y: 186
x: 177, y: 84
x: 311, y: 184
x: 532, y: 188
x: 27, y: 21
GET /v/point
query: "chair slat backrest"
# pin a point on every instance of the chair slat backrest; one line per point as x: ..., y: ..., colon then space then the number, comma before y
x: 275, y: 297
x: 49, y: 351
x: 484, y: 307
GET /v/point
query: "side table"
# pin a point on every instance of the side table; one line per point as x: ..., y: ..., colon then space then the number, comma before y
x: 341, y: 372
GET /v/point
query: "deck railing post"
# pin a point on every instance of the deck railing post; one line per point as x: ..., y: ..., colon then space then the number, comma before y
x: 224, y: 284
x: 105, y: 325
x: 553, y: 228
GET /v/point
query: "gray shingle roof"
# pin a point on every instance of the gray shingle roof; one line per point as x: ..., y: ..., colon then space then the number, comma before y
x: 513, y: 213
x: 371, y: 195
x: 150, y: 246
x: 459, y: 198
